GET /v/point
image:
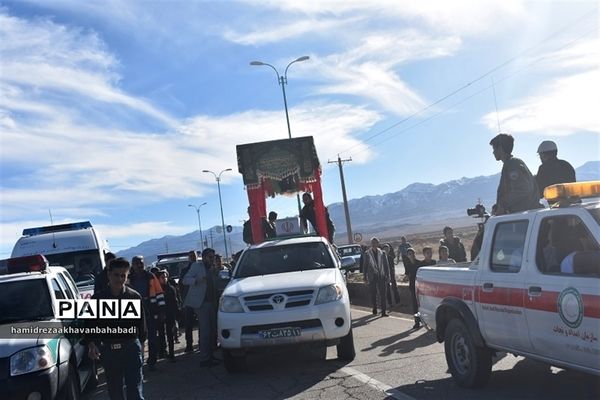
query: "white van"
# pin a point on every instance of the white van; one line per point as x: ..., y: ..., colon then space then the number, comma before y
x: 76, y: 246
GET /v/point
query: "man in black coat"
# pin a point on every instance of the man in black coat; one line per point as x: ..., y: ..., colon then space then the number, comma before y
x: 552, y: 170
x: 456, y: 250
x: 308, y: 214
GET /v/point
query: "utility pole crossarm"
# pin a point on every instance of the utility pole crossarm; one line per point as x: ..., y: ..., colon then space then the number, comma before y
x: 340, y: 164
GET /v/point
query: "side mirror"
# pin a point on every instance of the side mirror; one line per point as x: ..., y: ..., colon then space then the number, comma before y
x: 348, y: 263
x: 225, y: 275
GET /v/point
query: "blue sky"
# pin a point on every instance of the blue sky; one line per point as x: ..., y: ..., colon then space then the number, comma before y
x: 110, y: 110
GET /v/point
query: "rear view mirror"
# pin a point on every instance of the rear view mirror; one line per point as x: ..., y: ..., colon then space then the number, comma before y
x: 348, y: 263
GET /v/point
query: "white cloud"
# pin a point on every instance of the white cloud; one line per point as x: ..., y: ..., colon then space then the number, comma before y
x: 285, y: 31
x: 47, y: 60
x: 456, y: 17
x: 368, y: 70
x: 149, y: 229
x: 564, y: 105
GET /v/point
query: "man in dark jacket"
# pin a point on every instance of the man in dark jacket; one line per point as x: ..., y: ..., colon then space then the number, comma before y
x: 247, y: 231
x: 167, y: 325
x: 120, y: 354
x: 308, y: 214
x: 552, y: 170
x: 269, y: 226
x: 518, y: 190
x: 188, y: 312
x: 455, y: 247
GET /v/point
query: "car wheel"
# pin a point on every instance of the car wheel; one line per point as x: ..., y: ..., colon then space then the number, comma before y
x: 71, y: 390
x: 345, y: 349
x: 469, y: 365
x: 233, y: 363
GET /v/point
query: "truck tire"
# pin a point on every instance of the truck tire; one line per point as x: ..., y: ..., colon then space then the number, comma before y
x: 469, y: 365
x: 233, y: 363
x: 345, y: 349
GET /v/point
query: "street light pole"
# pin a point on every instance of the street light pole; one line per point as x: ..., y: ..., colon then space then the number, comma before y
x: 218, y: 178
x: 199, y: 224
x: 282, y: 80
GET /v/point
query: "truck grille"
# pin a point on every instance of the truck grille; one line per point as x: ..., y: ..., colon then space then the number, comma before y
x: 290, y: 299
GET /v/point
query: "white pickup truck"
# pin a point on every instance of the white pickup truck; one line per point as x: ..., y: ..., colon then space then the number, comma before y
x: 534, y: 290
x: 286, y: 292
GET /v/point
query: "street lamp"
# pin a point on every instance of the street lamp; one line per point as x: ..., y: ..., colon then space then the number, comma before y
x: 199, y: 224
x: 218, y: 178
x: 283, y: 81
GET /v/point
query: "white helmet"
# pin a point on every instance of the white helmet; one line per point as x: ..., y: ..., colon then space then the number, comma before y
x: 547, y: 145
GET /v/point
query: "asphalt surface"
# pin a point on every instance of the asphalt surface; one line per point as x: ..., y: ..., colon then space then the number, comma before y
x: 393, y: 361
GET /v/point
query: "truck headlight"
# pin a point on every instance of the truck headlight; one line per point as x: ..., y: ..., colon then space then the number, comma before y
x: 31, y: 360
x: 230, y: 304
x: 329, y: 293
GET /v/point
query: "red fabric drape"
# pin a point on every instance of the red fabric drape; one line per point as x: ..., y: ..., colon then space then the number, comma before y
x: 258, y: 210
x: 319, y: 206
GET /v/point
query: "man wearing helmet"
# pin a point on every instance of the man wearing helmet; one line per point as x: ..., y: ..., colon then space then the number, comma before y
x: 552, y: 170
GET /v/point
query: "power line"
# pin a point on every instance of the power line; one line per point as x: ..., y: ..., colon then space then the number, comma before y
x: 367, y: 146
x: 465, y: 86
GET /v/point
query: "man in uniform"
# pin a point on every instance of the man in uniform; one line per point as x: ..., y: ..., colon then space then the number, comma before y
x: 518, y: 190
x: 552, y: 170
x: 120, y: 355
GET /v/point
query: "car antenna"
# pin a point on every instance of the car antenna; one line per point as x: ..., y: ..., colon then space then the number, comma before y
x: 53, y: 235
x: 496, y: 104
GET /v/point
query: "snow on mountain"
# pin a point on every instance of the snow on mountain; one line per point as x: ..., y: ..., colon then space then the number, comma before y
x: 418, y: 203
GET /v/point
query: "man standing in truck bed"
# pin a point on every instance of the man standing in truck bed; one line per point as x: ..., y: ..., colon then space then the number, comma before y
x: 518, y: 190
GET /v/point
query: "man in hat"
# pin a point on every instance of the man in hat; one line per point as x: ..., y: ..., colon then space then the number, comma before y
x: 552, y: 170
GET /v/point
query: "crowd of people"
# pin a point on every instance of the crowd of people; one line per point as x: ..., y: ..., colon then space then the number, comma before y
x: 378, y: 265
x: 169, y: 308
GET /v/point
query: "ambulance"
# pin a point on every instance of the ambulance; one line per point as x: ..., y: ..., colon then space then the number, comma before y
x: 533, y: 290
x: 77, y: 246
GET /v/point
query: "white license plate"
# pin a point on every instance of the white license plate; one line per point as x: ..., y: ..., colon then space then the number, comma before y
x: 280, y: 333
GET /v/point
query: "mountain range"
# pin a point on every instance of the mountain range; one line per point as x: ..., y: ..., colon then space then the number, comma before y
x: 413, y: 208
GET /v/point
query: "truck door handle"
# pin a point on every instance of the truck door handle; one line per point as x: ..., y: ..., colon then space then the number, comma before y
x: 488, y: 287
x: 535, y: 291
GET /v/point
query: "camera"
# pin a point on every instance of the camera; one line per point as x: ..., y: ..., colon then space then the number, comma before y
x: 478, y: 211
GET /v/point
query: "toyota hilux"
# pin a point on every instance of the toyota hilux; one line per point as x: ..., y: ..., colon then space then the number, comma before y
x: 286, y: 292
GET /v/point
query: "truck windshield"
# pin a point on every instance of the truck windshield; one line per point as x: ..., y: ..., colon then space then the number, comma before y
x: 82, y: 265
x: 349, y: 251
x: 14, y: 306
x: 280, y: 259
x: 595, y: 213
x: 173, y: 267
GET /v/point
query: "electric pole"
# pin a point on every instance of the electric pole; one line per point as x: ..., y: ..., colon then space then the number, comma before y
x: 340, y: 163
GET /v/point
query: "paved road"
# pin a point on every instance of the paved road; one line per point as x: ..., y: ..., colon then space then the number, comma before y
x: 393, y: 362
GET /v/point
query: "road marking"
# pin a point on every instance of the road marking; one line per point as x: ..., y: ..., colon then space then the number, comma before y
x: 391, y: 316
x: 375, y: 384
